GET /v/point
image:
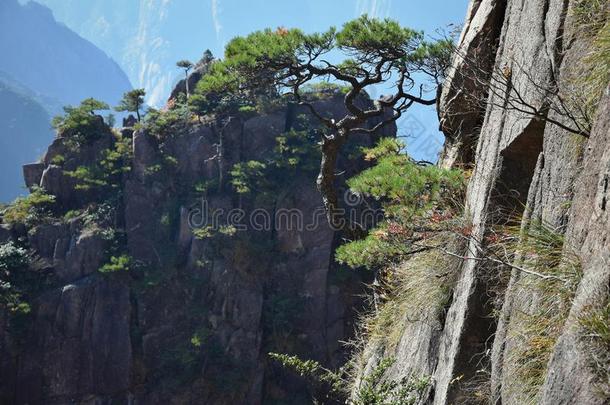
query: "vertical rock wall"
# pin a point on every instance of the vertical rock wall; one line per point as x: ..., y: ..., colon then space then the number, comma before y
x: 195, y: 316
x: 528, y: 168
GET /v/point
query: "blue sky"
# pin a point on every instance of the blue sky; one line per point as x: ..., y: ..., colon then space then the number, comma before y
x: 147, y: 37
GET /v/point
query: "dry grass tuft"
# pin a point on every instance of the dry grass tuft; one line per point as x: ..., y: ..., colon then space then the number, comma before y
x: 592, y: 22
x: 595, y: 334
x: 544, y: 303
x: 412, y: 291
x: 418, y: 289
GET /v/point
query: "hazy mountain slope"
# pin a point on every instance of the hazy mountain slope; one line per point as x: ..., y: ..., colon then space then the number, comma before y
x: 50, y: 59
x: 44, y: 66
x: 51, y: 104
x: 146, y: 36
x: 24, y: 130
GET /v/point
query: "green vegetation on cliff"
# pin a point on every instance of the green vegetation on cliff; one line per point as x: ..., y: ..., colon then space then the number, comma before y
x: 549, y: 272
x: 287, y: 61
x: 81, y: 124
x: 29, y: 210
x: 417, y: 200
x: 374, y: 389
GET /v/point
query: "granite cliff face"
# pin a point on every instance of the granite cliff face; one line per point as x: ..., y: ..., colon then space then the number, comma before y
x: 139, y: 291
x: 193, y: 318
x: 491, y: 341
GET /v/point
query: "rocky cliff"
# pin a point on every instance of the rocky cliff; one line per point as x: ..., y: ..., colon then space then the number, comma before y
x: 127, y: 275
x: 523, y: 322
x: 136, y: 281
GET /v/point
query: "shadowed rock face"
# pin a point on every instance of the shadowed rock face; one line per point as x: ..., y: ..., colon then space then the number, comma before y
x: 193, y: 320
x: 552, y: 176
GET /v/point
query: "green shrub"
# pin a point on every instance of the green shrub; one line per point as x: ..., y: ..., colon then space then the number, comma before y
x: 170, y: 160
x: 247, y: 109
x: 227, y: 230
x: 87, y: 177
x: 31, y: 209
x: 153, y: 169
x: 295, y: 151
x: 117, y: 160
x: 205, y: 186
x: 203, y: 233
x: 247, y: 176
x: 407, y: 189
x: 326, y: 384
x: 165, y: 123
x: 209, y: 99
x: 58, y: 160
x: 106, y: 173
x: 72, y: 214
x: 414, y: 198
x: 374, y: 389
x: 117, y: 264
x: 99, y: 215
x: 204, y: 102
x: 13, y: 259
x: 374, y: 251
x: 80, y: 124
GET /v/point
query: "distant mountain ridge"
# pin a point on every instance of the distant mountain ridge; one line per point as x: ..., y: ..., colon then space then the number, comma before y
x: 51, y: 104
x: 146, y: 37
x: 24, y: 130
x: 44, y: 66
x: 74, y: 68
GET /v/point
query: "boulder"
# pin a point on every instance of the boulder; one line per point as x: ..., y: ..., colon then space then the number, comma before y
x: 55, y: 182
x: 130, y: 121
x: 85, y: 255
x: 144, y: 153
x: 32, y: 174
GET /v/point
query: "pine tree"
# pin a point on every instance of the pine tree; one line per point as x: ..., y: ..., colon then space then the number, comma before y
x: 376, y: 52
x: 187, y: 66
x: 132, y: 102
